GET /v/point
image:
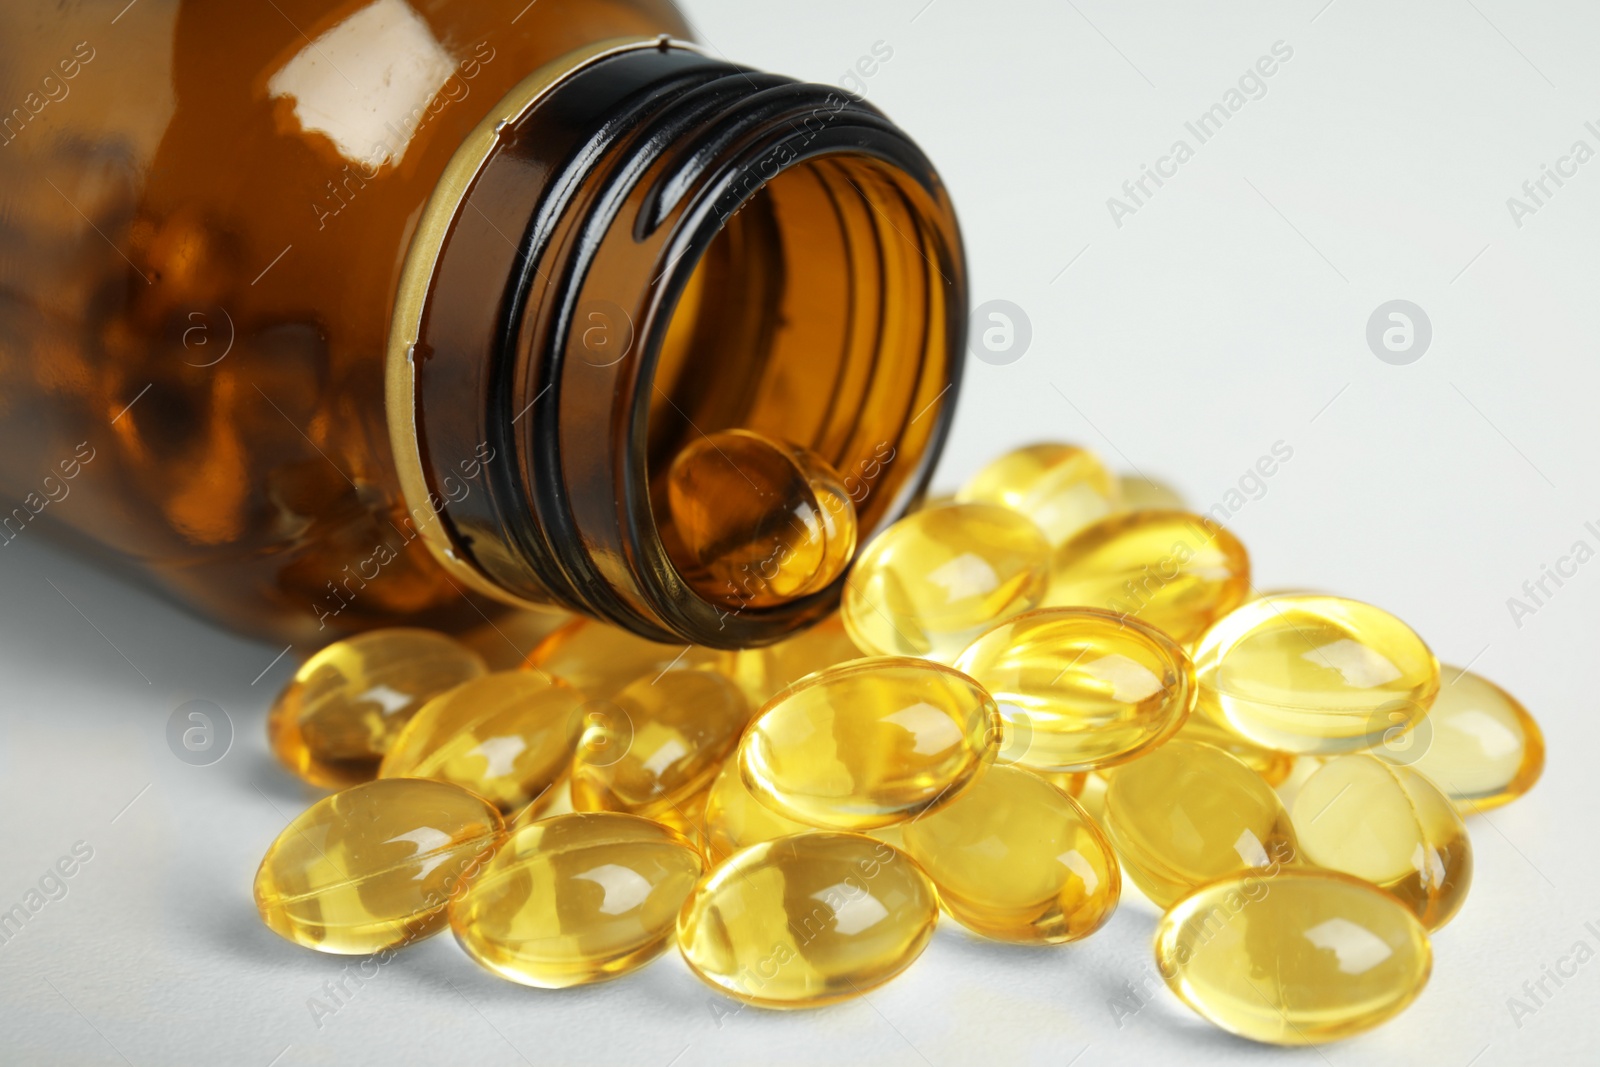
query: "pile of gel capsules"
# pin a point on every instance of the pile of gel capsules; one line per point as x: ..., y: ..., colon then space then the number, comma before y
x: 1055, y: 679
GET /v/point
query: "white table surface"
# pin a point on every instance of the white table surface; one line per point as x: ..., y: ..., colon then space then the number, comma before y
x: 1226, y: 314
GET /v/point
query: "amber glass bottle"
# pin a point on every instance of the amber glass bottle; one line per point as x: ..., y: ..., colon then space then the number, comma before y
x: 326, y: 315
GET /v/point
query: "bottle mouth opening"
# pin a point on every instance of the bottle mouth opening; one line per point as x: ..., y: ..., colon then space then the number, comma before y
x: 654, y: 246
x: 816, y: 316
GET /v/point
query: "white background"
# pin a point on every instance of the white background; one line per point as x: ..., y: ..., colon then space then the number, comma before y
x: 1227, y: 314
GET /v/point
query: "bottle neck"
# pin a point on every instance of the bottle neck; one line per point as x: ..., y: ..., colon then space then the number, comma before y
x: 640, y: 246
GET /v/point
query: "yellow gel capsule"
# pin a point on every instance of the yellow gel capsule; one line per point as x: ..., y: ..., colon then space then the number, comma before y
x: 734, y: 819
x: 1146, y: 494
x: 869, y: 743
x: 764, y: 672
x: 1016, y: 859
x: 808, y: 920
x: 1188, y: 813
x: 757, y: 522
x: 1172, y: 570
x: 1307, y: 957
x: 1478, y: 744
x: 1080, y: 689
x: 599, y: 660
x: 1390, y: 826
x: 1315, y: 674
x: 1273, y: 766
x: 505, y: 641
x: 345, y: 705
x: 933, y: 581
x: 375, y: 866
x: 658, y: 745
x: 576, y: 899
x: 508, y: 736
x: 1062, y: 488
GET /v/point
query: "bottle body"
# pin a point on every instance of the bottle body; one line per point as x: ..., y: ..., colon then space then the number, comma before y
x: 214, y: 220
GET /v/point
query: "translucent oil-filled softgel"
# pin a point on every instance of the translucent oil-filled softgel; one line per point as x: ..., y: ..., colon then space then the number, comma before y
x: 808, y: 920
x: 346, y: 705
x: 1389, y: 825
x: 937, y: 578
x: 1189, y: 813
x: 1062, y: 488
x: 1303, y: 957
x: 1056, y: 691
x: 1016, y: 859
x: 655, y: 749
x: 1081, y: 689
x: 1480, y: 745
x: 1173, y: 570
x: 508, y: 736
x: 374, y: 866
x: 870, y: 743
x: 576, y: 899
x: 758, y: 521
x: 1315, y: 674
